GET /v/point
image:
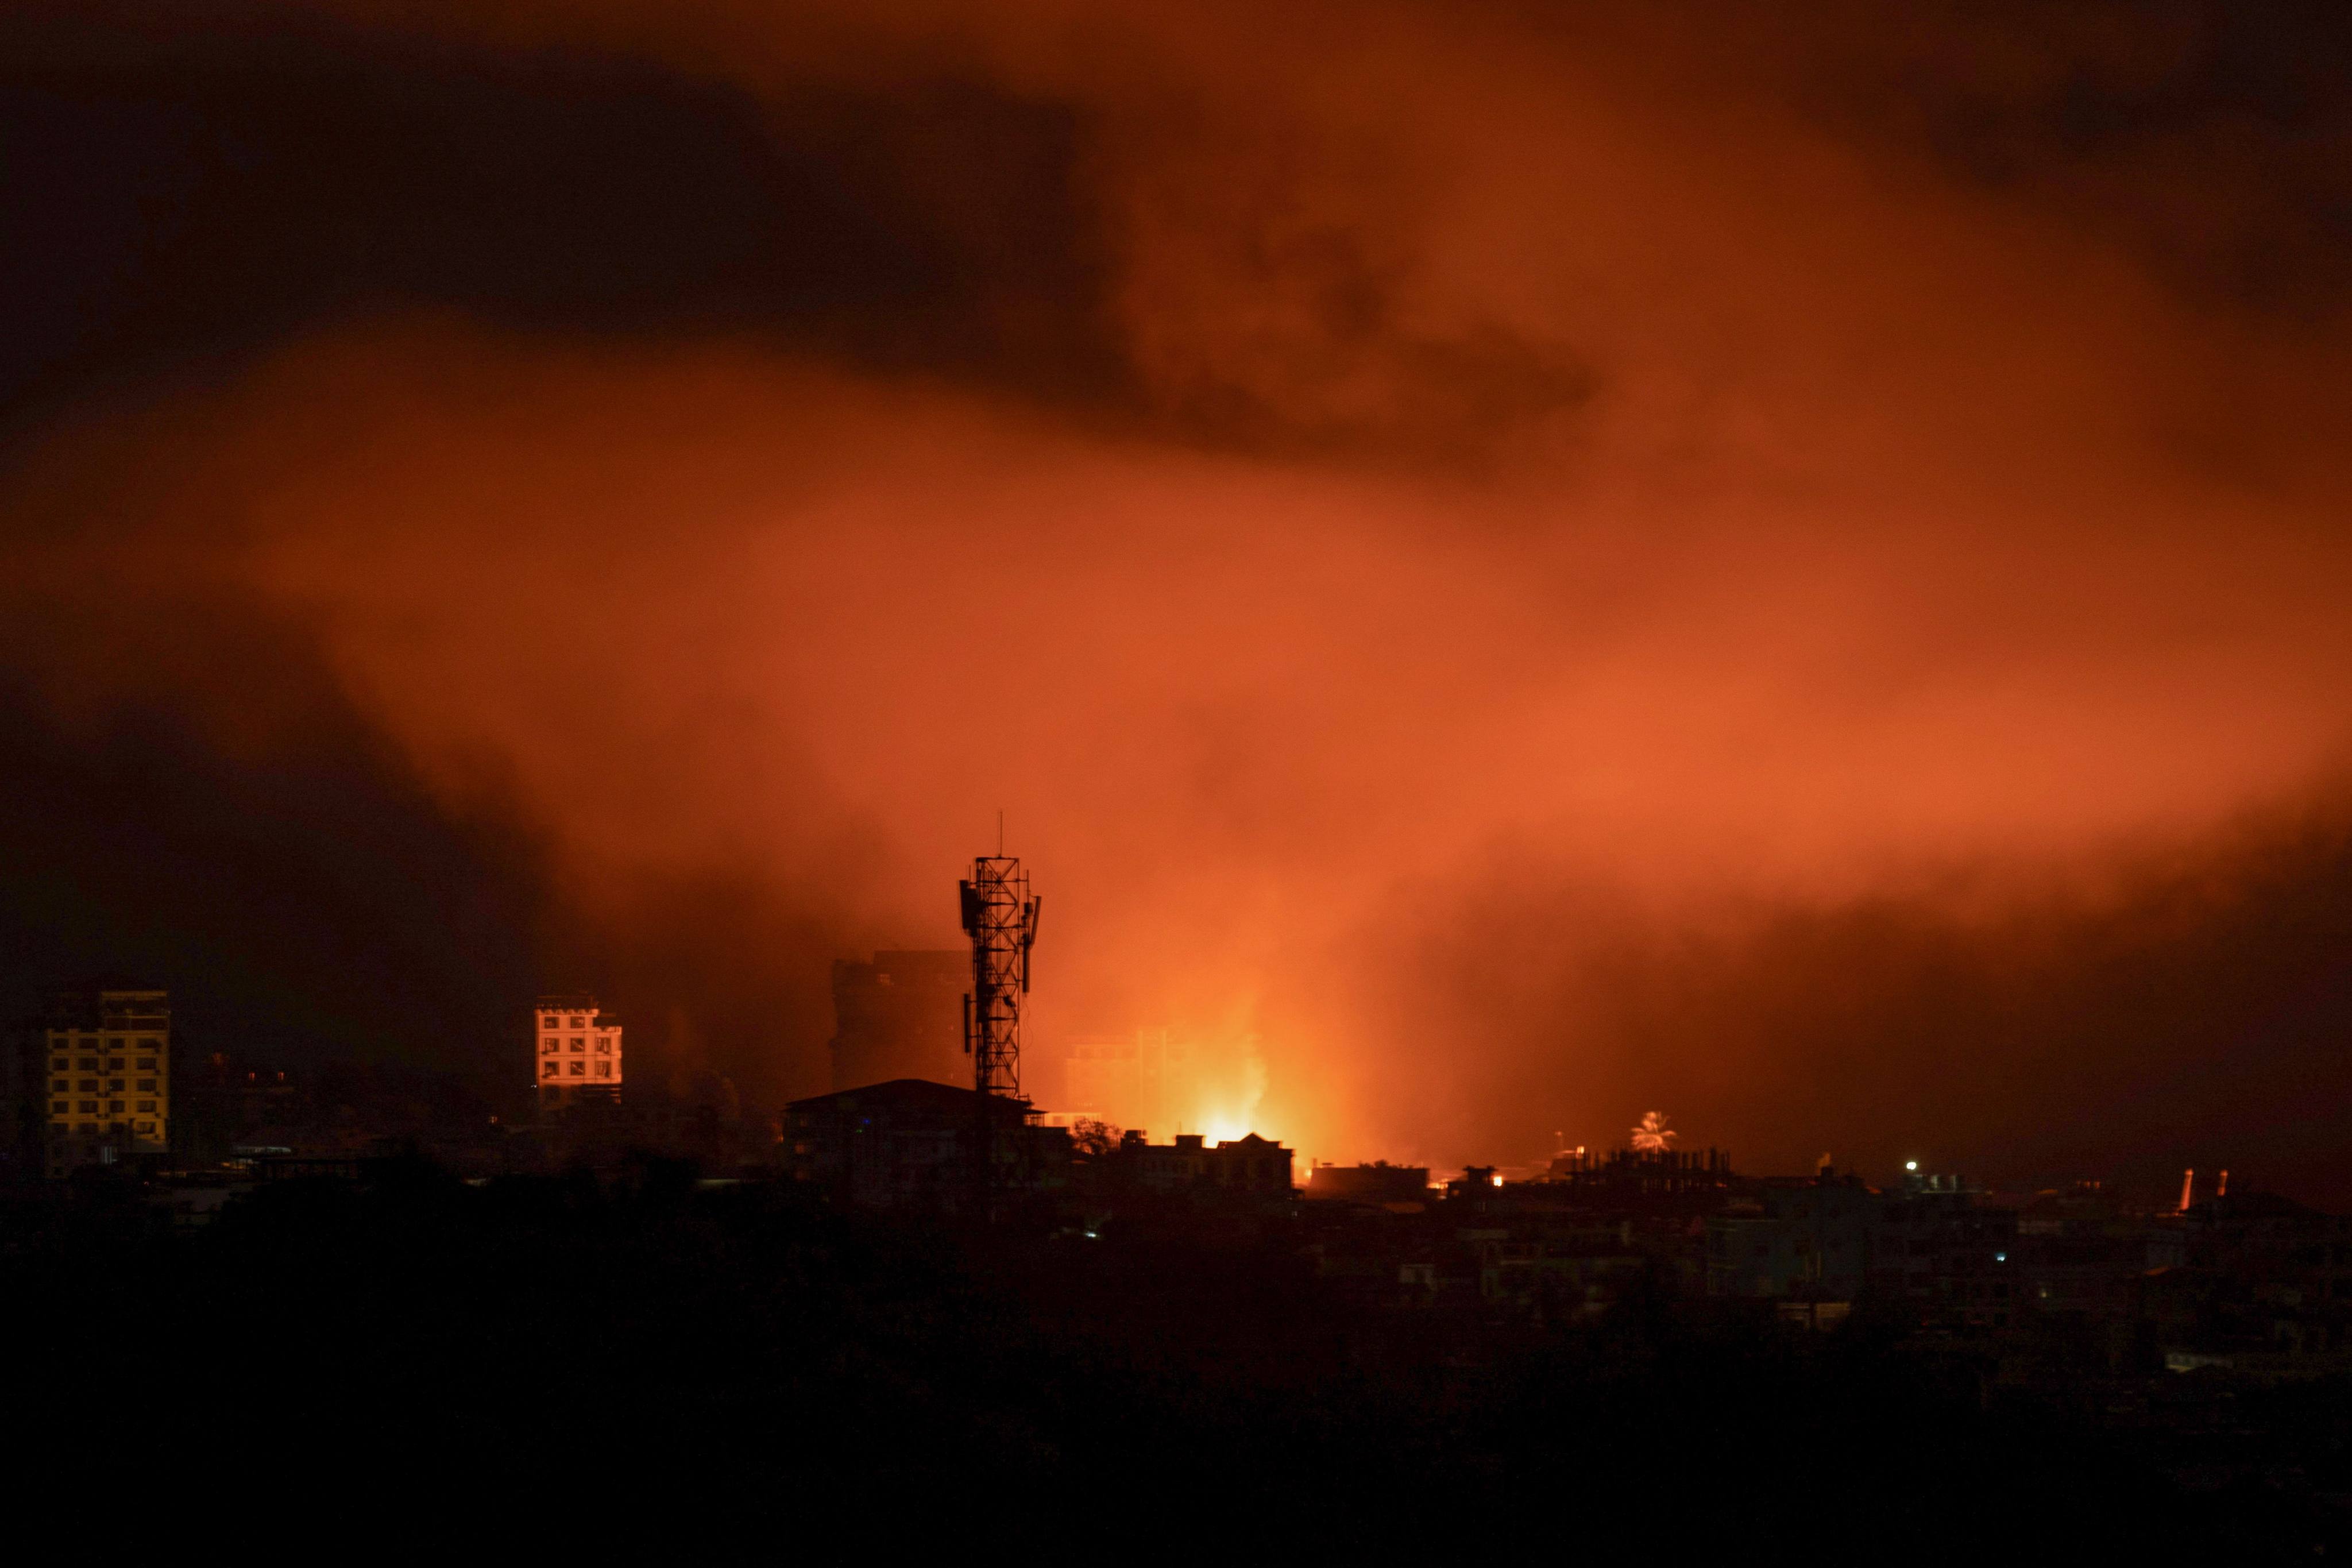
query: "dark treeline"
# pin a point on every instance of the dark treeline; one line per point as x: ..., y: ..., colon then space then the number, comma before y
x: 549, y: 1355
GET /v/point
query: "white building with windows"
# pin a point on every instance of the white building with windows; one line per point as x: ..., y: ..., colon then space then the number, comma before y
x: 578, y: 1051
x: 108, y: 1060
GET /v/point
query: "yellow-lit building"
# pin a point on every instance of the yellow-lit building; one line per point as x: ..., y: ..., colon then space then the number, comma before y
x: 578, y: 1050
x: 108, y: 1060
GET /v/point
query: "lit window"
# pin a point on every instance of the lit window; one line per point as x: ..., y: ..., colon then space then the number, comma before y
x: 579, y: 1069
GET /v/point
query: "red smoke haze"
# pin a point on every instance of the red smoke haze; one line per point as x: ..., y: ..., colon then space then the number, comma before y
x: 1571, y: 511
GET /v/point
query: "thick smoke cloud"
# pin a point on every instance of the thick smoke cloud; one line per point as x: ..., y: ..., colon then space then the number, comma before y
x: 1539, y: 564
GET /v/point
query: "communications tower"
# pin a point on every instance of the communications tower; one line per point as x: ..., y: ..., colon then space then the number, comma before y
x: 1001, y: 918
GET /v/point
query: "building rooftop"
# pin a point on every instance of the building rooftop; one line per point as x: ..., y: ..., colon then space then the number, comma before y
x: 913, y: 1094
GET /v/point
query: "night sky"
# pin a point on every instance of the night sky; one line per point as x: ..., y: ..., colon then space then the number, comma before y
x: 1509, y: 565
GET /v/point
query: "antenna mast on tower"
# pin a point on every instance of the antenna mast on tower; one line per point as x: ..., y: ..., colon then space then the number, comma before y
x: 1000, y: 917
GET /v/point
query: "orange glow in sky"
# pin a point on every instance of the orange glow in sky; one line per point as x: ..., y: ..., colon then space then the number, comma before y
x: 1584, y: 584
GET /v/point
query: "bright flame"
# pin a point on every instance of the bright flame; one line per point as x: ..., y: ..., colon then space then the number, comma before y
x: 1228, y: 1121
x: 1165, y: 1081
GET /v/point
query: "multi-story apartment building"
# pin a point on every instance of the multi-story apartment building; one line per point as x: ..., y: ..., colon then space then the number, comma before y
x: 107, y: 1055
x: 578, y: 1051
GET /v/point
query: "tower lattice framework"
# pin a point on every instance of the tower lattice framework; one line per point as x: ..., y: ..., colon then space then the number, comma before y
x: 1000, y: 915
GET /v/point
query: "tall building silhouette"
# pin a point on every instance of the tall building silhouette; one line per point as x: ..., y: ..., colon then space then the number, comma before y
x: 900, y: 1015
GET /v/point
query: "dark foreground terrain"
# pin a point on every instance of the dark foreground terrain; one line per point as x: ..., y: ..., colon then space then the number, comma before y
x: 328, y: 1371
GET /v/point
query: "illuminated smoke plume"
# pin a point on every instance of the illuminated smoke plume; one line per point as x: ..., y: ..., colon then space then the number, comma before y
x: 1506, y: 561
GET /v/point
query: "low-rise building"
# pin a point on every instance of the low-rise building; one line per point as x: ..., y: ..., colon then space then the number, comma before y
x: 1557, y: 1274
x: 1378, y: 1183
x: 1250, y: 1166
x: 912, y: 1144
x: 2081, y: 1252
x: 1793, y: 1241
x: 1689, y: 1180
x: 2264, y: 1275
x: 1940, y: 1253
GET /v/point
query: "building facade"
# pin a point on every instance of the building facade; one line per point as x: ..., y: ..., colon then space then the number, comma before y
x: 578, y: 1049
x: 1380, y: 1182
x: 1251, y: 1166
x: 1794, y: 1240
x: 912, y: 1144
x: 106, y: 1057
